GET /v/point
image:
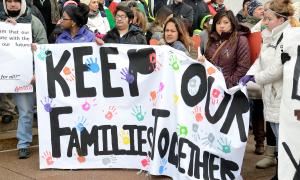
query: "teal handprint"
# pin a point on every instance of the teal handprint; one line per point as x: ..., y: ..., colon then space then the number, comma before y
x: 42, y: 55
x: 81, y: 123
x: 174, y: 62
x: 92, y: 65
x: 137, y: 112
x: 224, y: 145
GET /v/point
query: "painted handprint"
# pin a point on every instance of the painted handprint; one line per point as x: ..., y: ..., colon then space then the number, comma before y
x: 174, y: 62
x: 107, y: 161
x: 125, y: 137
x: 224, y: 145
x: 211, y: 70
x: 155, y: 95
x: 215, y: 96
x: 163, y: 164
x: 81, y: 123
x: 87, y: 106
x: 146, y: 161
x: 154, y: 63
x: 182, y: 130
x: 80, y: 158
x: 69, y: 75
x: 48, y: 157
x: 47, y: 103
x: 197, y: 114
x: 42, y: 55
x: 195, y: 133
x: 137, y: 113
x: 111, y: 112
x: 92, y: 65
x: 209, y: 139
x: 193, y: 86
x: 127, y: 76
x: 175, y: 99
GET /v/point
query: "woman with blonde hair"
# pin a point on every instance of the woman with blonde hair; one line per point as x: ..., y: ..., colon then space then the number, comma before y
x: 267, y: 71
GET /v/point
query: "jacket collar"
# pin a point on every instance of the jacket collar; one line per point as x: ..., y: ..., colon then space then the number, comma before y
x: 270, y: 36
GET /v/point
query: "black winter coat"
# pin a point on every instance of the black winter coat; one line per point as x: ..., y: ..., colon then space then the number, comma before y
x: 199, y: 7
x: 133, y: 36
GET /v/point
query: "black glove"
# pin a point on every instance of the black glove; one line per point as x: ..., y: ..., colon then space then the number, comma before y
x: 285, y: 57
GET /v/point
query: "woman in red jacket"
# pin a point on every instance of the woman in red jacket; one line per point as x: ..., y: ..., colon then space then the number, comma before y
x: 228, y: 48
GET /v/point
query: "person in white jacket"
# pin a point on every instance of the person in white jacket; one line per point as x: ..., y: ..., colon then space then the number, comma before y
x: 267, y: 71
x: 96, y: 23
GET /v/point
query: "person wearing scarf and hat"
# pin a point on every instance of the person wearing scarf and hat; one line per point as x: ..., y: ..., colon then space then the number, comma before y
x: 255, y: 13
x: 16, y: 11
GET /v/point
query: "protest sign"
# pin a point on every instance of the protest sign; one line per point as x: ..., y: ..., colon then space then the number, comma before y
x: 138, y: 107
x: 16, y: 61
x: 289, y: 127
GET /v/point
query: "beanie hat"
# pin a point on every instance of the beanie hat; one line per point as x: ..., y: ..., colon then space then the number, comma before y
x: 252, y: 6
x: 87, y: 2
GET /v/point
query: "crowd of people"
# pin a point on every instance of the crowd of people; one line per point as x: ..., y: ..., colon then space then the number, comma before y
x: 224, y: 42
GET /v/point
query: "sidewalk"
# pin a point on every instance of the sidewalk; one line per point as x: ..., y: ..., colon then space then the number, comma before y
x: 12, y: 168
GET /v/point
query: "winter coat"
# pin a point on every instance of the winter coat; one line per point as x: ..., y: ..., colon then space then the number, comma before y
x: 233, y: 59
x: 98, y: 24
x: 38, y: 31
x: 182, y: 10
x: 240, y: 17
x: 268, y: 72
x: 83, y: 35
x: 133, y: 36
x: 199, y: 8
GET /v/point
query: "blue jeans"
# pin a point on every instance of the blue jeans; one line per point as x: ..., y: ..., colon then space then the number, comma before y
x: 25, y: 103
x: 275, y: 129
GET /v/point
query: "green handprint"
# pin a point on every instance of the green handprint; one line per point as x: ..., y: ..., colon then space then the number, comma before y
x: 183, y: 130
x: 224, y: 145
x: 174, y: 62
x: 137, y: 112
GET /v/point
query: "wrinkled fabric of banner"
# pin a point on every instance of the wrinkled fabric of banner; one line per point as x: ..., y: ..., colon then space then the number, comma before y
x: 138, y: 107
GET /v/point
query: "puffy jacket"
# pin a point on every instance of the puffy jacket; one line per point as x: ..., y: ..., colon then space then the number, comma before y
x: 133, y: 36
x: 83, y: 35
x: 233, y: 58
x: 268, y: 72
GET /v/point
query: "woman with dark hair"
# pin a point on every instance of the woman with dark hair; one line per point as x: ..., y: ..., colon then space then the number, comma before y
x: 176, y: 36
x: 228, y: 48
x: 125, y: 32
x: 73, y: 21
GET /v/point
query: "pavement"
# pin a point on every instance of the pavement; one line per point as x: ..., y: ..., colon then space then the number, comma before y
x: 12, y: 168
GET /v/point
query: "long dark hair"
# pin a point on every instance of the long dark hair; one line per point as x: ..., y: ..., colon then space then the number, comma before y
x: 234, y: 25
x: 183, y: 35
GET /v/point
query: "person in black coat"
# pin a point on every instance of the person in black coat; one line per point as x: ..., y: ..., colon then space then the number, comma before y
x: 125, y: 32
x: 199, y: 7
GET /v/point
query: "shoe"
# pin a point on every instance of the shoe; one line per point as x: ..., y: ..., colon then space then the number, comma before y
x: 6, y: 119
x: 269, y: 159
x: 24, y: 153
x: 259, y: 150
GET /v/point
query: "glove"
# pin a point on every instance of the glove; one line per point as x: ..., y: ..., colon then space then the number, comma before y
x: 285, y: 57
x: 244, y: 80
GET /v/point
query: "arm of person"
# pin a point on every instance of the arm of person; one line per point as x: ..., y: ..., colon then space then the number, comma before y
x: 38, y: 31
x: 243, y: 62
x: 270, y: 74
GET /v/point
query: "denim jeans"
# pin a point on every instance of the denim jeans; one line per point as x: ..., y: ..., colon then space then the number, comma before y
x: 275, y: 129
x: 25, y: 103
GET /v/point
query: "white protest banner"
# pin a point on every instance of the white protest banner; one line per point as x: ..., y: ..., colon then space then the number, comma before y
x: 138, y: 107
x: 289, y: 127
x: 16, y: 61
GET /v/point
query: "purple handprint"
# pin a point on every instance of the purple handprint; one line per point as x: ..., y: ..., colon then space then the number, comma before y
x: 47, y: 104
x: 127, y: 76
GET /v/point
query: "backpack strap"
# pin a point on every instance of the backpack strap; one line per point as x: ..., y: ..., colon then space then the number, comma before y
x: 279, y: 40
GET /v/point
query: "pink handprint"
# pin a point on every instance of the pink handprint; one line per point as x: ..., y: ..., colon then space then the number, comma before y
x: 87, y: 106
x: 111, y: 112
x: 215, y: 96
x: 197, y: 114
x: 48, y: 157
x: 154, y: 63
